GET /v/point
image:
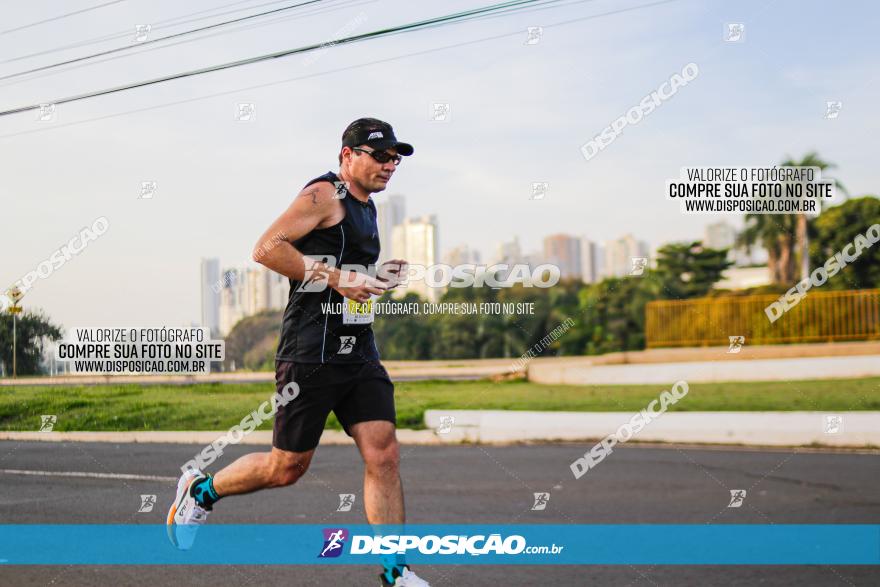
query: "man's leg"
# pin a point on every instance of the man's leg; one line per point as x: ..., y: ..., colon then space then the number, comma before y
x: 383, y: 490
x: 295, y: 434
x: 260, y: 470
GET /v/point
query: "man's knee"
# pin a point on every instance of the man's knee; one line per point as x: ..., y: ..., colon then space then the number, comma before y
x: 287, y: 471
x: 383, y: 460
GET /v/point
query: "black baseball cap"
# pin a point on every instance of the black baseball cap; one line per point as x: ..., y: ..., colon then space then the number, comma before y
x: 374, y: 133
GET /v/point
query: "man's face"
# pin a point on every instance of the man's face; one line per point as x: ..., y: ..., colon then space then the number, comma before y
x: 371, y: 174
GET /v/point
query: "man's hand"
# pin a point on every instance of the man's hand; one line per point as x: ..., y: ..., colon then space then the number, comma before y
x: 356, y: 286
x: 392, y: 271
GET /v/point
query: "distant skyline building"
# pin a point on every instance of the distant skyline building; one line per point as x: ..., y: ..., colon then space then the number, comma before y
x: 721, y: 235
x: 534, y: 258
x: 248, y: 291
x: 589, y: 260
x: 417, y: 241
x: 509, y: 252
x: 390, y: 212
x: 564, y: 251
x: 209, y: 277
x: 619, y: 254
x: 462, y: 255
x: 232, y: 294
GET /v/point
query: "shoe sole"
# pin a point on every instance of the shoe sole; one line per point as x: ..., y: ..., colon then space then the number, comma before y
x: 178, y: 500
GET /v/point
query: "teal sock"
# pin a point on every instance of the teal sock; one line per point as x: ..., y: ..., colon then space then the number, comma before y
x: 204, y: 493
x: 393, y: 566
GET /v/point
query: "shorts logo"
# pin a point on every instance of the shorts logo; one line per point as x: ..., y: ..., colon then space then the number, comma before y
x: 346, y: 344
x: 375, y: 135
x: 334, y: 542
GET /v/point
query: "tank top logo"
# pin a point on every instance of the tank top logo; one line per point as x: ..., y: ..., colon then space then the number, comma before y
x: 341, y: 189
x: 346, y: 344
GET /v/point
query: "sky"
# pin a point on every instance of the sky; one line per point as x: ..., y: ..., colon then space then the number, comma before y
x: 519, y: 114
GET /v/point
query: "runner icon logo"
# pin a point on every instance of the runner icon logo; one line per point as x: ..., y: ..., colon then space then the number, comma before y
x: 541, y: 500
x: 737, y: 496
x: 147, y: 503
x: 446, y: 424
x: 341, y: 189
x: 346, y: 500
x: 346, y: 344
x: 736, y: 344
x: 334, y: 542
x: 47, y: 423
x: 833, y: 424
x: 638, y: 265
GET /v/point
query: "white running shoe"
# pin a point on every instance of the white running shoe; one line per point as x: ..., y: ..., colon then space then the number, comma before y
x: 185, y: 515
x: 407, y: 579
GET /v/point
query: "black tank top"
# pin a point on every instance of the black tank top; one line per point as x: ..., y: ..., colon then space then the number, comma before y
x: 309, y: 333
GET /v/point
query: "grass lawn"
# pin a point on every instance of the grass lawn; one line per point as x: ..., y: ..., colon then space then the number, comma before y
x: 220, y: 406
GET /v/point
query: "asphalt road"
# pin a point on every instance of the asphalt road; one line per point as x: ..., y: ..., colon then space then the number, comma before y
x: 456, y: 484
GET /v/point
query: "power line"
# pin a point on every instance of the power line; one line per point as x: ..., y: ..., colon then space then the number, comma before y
x: 139, y: 51
x: 442, y: 20
x: 158, y: 24
x: 331, y: 71
x: 240, y: 28
x: 160, y: 39
x: 33, y: 24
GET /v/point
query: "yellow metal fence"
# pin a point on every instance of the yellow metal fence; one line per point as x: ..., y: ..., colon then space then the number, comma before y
x: 819, y: 317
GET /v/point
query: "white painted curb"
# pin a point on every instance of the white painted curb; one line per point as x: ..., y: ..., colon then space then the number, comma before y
x: 203, y: 438
x: 584, y: 373
x: 858, y: 429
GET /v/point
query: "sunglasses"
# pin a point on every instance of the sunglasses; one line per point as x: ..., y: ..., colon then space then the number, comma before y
x: 381, y: 156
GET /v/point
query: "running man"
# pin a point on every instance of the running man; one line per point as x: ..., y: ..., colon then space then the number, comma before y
x: 331, y: 356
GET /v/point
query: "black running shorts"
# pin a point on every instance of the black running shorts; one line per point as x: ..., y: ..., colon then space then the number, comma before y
x: 354, y: 392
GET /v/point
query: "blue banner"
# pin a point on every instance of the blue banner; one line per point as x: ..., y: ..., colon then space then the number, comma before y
x: 277, y: 544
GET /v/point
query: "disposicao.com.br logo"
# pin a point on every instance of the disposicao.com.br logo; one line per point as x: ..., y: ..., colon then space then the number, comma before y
x: 450, y: 544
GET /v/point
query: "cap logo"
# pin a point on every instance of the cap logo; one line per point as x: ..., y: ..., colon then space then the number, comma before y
x: 375, y: 135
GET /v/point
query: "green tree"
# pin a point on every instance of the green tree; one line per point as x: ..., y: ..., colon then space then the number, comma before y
x: 784, y: 235
x: 402, y: 336
x: 836, y: 228
x: 460, y: 336
x: 613, y: 314
x: 688, y: 270
x: 811, y: 159
x: 556, y: 305
x: 252, y: 342
x: 776, y: 233
x: 33, y: 330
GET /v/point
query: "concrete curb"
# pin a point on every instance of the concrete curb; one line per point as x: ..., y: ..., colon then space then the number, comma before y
x: 765, y: 429
x: 264, y: 438
x: 857, y: 429
x: 450, y: 373
x: 585, y: 373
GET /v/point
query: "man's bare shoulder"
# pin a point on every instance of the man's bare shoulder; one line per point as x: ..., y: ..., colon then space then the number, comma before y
x: 319, y: 203
x: 320, y: 193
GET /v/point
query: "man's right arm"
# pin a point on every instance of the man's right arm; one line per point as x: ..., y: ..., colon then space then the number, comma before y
x: 313, y: 206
